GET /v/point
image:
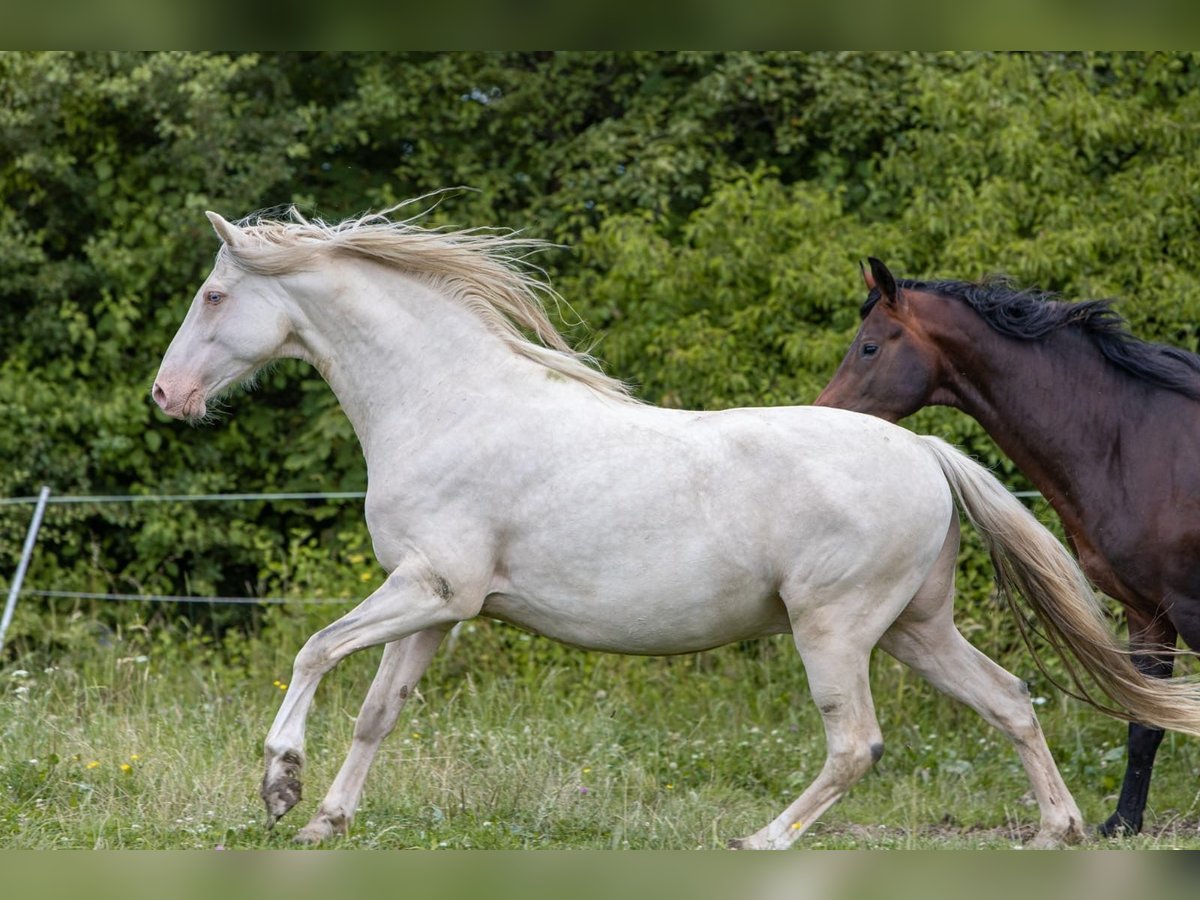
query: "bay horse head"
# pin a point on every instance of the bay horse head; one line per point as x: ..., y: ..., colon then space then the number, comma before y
x: 892, y: 368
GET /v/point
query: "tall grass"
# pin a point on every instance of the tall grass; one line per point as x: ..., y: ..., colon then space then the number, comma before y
x: 513, y: 742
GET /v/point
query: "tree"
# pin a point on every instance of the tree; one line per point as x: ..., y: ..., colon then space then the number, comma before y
x: 713, y: 207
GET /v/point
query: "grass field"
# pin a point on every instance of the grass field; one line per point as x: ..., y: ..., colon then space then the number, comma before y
x: 543, y: 748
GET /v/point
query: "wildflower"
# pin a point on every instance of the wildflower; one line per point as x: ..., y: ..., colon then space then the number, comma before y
x: 126, y: 768
x: 94, y: 764
x: 282, y: 685
x: 366, y: 576
x: 797, y: 825
x: 134, y: 757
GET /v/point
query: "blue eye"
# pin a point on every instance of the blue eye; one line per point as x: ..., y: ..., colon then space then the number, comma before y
x: 214, y: 297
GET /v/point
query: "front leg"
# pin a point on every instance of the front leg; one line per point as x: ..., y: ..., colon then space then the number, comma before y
x: 413, y: 598
x: 403, y: 664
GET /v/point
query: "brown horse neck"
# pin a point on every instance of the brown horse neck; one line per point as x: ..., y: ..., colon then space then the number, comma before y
x: 1046, y: 402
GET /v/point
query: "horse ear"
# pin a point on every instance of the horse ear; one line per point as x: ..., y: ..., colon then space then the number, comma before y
x: 867, y: 277
x: 882, y: 279
x: 226, y: 230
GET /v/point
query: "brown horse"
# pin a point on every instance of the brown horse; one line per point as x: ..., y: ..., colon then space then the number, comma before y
x: 1107, y: 426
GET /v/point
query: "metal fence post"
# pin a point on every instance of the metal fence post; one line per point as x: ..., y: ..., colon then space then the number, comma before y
x: 14, y: 589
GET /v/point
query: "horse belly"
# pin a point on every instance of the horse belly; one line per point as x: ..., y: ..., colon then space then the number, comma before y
x: 645, y: 617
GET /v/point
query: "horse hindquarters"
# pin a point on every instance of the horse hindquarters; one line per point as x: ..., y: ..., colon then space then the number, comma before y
x: 925, y: 638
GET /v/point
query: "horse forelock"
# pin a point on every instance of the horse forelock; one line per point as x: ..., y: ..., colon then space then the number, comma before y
x: 873, y: 297
x: 487, y: 271
x: 1033, y: 315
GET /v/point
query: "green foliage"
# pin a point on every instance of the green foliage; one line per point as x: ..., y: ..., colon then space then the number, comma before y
x: 714, y: 205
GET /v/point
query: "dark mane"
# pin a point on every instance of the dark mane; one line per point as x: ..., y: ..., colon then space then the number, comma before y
x: 1032, y: 315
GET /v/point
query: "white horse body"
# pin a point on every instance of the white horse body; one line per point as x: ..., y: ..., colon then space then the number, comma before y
x: 513, y: 466
x: 542, y: 496
x: 692, y: 553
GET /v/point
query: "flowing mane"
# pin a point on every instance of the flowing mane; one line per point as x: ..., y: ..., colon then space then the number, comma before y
x: 485, y: 270
x: 1033, y: 315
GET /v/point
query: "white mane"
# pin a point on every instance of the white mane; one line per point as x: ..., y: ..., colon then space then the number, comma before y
x: 482, y: 269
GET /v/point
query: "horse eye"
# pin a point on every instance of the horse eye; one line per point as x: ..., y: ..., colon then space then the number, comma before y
x: 870, y: 349
x: 214, y: 297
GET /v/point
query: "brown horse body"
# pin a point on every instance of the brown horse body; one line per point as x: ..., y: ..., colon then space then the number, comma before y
x: 1106, y: 426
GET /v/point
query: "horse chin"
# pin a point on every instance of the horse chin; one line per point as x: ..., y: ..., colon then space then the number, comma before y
x: 194, y: 409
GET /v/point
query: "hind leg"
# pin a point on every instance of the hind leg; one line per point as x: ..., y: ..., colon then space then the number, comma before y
x: 837, y: 676
x: 1143, y: 742
x: 925, y: 639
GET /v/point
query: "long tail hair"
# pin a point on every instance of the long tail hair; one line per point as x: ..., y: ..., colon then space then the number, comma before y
x: 1032, y: 563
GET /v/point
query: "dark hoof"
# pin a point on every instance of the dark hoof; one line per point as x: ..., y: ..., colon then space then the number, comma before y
x: 281, y: 796
x: 1118, y: 826
x: 283, y: 791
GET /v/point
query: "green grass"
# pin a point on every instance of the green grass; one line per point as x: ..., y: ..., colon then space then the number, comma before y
x: 537, y: 747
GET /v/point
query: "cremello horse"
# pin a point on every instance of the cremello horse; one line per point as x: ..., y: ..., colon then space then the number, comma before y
x: 509, y: 478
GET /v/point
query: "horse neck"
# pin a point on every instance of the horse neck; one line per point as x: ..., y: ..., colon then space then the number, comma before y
x: 398, y: 353
x: 1035, y: 398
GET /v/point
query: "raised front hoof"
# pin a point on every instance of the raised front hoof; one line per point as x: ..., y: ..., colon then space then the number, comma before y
x: 1118, y: 826
x: 279, y: 796
x: 320, y: 829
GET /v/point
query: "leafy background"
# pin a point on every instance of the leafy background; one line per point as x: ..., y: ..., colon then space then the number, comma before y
x: 712, y: 208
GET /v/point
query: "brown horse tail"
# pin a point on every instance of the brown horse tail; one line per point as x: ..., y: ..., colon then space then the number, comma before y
x: 1031, y: 562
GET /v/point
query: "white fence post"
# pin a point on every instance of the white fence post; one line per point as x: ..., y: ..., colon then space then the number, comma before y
x: 14, y: 589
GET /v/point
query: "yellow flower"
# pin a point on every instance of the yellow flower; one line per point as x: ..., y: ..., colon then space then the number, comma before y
x: 134, y: 757
x: 94, y: 764
x: 126, y: 768
x: 366, y: 576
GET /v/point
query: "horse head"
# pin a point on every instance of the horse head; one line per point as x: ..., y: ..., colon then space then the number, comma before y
x: 891, y: 367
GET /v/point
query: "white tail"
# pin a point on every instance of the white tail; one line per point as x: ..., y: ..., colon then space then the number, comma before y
x: 1031, y: 562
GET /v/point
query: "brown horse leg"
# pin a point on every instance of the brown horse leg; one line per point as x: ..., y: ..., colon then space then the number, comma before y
x: 1144, y: 633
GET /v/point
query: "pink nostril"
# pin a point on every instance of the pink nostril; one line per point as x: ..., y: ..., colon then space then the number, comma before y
x: 159, y: 395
